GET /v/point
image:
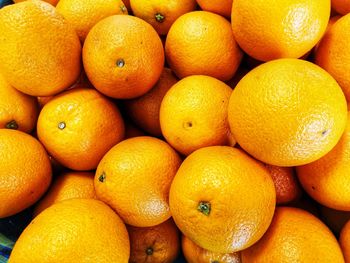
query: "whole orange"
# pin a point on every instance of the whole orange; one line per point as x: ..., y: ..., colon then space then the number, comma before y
x: 39, y: 50
x: 123, y: 56
x: 222, y: 7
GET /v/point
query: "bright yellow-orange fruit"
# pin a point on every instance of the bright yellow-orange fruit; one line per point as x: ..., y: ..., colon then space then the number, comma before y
x: 287, y: 112
x: 79, y: 126
x: 341, y: 6
x: 39, y: 50
x: 220, y: 7
x: 222, y: 199
x: 134, y: 178
x: 25, y: 171
x: 344, y: 241
x: 123, y: 56
x: 84, y: 14
x: 282, y: 29
x: 193, y: 114
x: 52, y: 2
x: 75, y: 230
x: 202, y: 43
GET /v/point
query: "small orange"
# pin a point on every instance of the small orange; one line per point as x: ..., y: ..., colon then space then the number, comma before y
x: 123, y: 56
x: 193, y: 114
x: 161, y: 14
x: 39, y: 50
x: 295, y: 236
x: 222, y: 199
x: 18, y: 111
x: 341, y: 6
x: 84, y: 14
x: 78, y: 127
x: 157, y: 244
x: 202, y: 43
x: 282, y: 29
x: 196, y: 254
x: 134, y: 178
x: 144, y: 110
x: 222, y: 7
x: 25, y: 171
x: 66, y: 186
x: 287, y: 112
x: 52, y: 2
x: 75, y: 230
x: 327, y: 179
x: 335, y: 219
x: 344, y: 241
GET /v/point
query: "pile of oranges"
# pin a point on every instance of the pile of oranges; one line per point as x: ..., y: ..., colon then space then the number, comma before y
x: 138, y: 129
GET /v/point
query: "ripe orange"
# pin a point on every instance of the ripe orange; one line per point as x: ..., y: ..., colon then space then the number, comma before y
x: 333, y: 53
x: 282, y: 29
x: 327, y: 179
x: 17, y: 110
x: 222, y: 199
x: 335, y: 219
x: 202, y: 43
x: 295, y: 236
x: 75, y: 230
x: 157, y: 244
x: 134, y: 178
x: 344, y: 241
x: 78, y: 127
x: 84, y: 14
x: 193, y: 114
x: 287, y: 112
x: 161, y: 14
x: 341, y: 6
x: 222, y: 7
x: 25, y: 171
x: 123, y: 56
x: 144, y: 110
x: 66, y: 186
x: 196, y: 254
x: 52, y: 2
x: 39, y: 50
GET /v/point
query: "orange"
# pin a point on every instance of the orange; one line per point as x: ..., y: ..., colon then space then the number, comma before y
x: 295, y: 236
x: 193, y: 114
x: 39, y: 50
x: 196, y: 254
x: 327, y: 179
x: 132, y: 131
x: 202, y: 43
x: 286, y: 184
x: 52, y: 2
x: 344, y: 241
x: 84, y: 14
x: 144, y: 110
x: 287, y: 112
x: 157, y: 244
x: 75, y: 230
x: 222, y: 199
x: 134, y: 178
x: 222, y: 7
x: 333, y: 53
x: 282, y: 29
x: 341, y: 6
x: 78, y: 127
x: 335, y: 219
x: 18, y: 111
x: 161, y: 14
x: 25, y: 171
x: 123, y: 56
x: 66, y: 186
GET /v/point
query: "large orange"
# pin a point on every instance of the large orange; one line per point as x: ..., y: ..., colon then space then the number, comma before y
x: 123, y: 56
x: 75, y: 230
x: 345, y: 241
x: 341, y: 6
x: 144, y: 110
x: 327, y: 179
x: 295, y: 236
x: 282, y: 29
x: 17, y: 110
x: 161, y: 14
x: 221, y: 7
x: 78, y: 127
x: 195, y: 254
x: 66, y: 186
x: 222, y: 199
x: 134, y: 178
x: 84, y: 14
x: 202, y: 43
x: 25, y: 171
x: 287, y: 112
x: 193, y: 114
x: 157, y: 244
x: 52, y: 2
x: 333, y: 53
x: 39, y: 50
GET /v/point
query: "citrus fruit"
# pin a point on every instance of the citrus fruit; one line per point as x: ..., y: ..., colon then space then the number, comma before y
x: 222, y: 7
x: 344, y: 241
x: 52, y: 2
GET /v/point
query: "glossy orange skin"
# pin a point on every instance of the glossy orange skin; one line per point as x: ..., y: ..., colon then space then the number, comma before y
x: 52, y: 2
x: 220, y: 7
